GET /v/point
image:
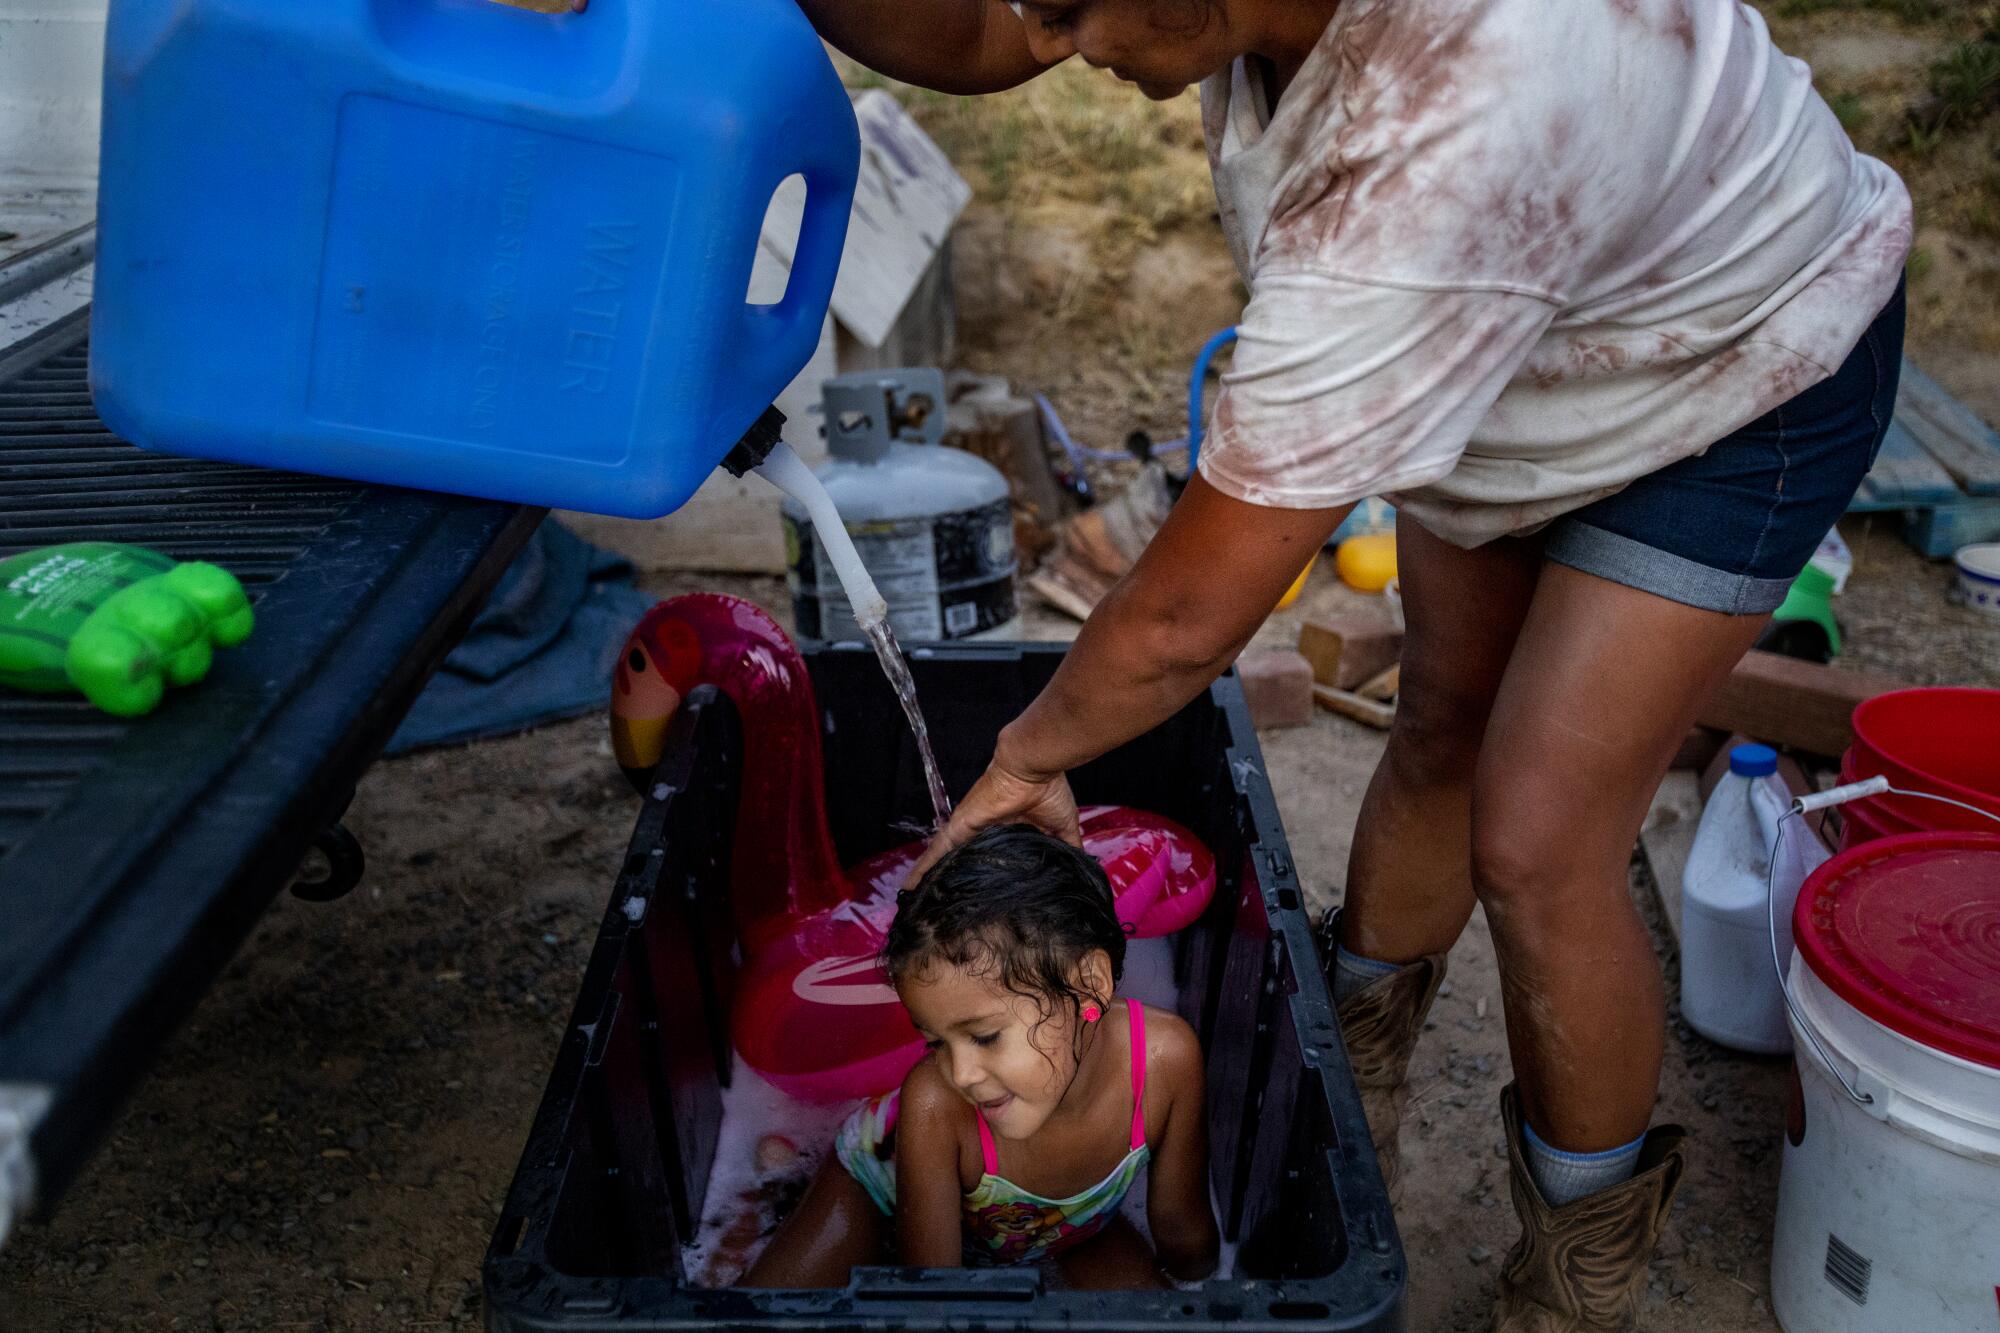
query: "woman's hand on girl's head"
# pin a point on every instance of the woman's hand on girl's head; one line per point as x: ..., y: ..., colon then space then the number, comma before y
x: 1006, y: 793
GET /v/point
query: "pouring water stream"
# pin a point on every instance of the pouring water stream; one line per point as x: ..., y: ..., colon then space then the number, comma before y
x: 784, y: 469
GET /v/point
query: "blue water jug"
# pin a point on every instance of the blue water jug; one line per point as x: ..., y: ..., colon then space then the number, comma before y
x: 458, y: 244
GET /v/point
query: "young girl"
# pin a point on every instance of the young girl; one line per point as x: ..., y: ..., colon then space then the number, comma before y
x: 1042, y: 1098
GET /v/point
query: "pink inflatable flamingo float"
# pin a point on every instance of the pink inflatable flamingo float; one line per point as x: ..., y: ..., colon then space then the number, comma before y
x: 812, y: 1011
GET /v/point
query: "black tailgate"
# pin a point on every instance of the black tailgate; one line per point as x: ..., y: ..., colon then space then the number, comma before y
x: 136, y: 855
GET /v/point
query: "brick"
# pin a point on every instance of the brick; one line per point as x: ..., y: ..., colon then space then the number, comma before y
x: 1278, y: 684
x: 1349, y: 650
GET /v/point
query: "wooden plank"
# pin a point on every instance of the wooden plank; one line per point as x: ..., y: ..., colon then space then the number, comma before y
x: 1384, y: 687
x: 1950, y: 432
x: 1667, y: 837
x: 1904, y: 476
x: 1784, y: 701
x: 1940, y: 530
x: 1351, y: 705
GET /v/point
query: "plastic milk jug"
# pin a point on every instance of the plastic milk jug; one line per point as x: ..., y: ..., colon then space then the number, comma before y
x: 1729, y: 990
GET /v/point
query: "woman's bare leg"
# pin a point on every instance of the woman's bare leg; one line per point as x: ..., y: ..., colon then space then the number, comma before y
x: 1409, y: 876
x: 1603, y: 684
x: 1115, y: 1259
x: 835, y: 1228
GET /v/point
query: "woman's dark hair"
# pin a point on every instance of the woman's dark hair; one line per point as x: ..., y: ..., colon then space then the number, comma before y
x: 1013, y: 903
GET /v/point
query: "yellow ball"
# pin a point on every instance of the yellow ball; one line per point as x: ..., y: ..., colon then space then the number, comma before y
x: 1298, y: 585
x: 1367, y: 563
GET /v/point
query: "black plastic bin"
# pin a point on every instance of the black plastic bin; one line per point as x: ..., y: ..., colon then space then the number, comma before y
x: 617, y: 1163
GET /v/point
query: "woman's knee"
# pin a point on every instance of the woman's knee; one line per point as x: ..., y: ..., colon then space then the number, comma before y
x: 1530, y: 849
x: 1544, y: 849
x: 1435, y: 739
x: 1510, y: 872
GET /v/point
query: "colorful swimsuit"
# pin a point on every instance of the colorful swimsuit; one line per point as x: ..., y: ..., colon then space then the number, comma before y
x: 1004, y: 1224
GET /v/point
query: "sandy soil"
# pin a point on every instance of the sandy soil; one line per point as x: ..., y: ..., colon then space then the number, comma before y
x: 326, y: 1144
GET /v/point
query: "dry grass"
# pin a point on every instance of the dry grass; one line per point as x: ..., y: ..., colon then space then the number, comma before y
x: 1073, y: 136
x: 1927, y: 109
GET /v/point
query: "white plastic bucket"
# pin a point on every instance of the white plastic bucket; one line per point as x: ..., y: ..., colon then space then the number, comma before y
x: 1888, y: 1212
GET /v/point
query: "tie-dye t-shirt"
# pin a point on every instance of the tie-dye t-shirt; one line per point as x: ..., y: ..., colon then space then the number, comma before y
x: 1507, y: 256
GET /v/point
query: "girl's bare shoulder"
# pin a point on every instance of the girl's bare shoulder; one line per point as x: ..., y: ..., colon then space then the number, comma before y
x: 927, y: 1093
x: 934, y: 1126
x: 932, y: 1110
x: 1173, y: 1052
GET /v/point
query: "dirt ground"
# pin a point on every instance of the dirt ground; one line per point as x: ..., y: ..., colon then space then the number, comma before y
x: 325, y: 1145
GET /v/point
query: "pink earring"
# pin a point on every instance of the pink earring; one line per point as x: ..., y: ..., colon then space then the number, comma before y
x: 1091, y: 1013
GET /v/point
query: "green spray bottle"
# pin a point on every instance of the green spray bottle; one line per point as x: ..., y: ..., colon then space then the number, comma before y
x: 114, y: 623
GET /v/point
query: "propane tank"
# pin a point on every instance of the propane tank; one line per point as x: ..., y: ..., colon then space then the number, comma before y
x: 934, y: 525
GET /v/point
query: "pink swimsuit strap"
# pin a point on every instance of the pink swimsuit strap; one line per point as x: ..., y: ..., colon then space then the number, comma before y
x: 1136, y: 1014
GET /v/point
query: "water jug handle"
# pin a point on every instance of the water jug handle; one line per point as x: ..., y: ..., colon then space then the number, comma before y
x: 779, y: 338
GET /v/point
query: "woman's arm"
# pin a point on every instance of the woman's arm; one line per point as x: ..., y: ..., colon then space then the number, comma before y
x: 1177, y: 1211
x: 1170, y: 627
x: 929, y: 1189
x: 953, y: 46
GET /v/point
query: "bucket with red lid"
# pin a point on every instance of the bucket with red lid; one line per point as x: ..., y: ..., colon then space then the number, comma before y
x: 1889, y: 1196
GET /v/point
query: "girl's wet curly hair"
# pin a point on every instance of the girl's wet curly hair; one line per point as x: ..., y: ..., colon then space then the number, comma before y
x: 1015, y: 904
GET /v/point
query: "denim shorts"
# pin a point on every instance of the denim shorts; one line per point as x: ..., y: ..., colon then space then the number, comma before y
x: 1730, y: 528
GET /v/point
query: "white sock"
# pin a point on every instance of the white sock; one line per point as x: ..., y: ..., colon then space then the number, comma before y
x: 1351, y: 972
x: 1565, y: 1177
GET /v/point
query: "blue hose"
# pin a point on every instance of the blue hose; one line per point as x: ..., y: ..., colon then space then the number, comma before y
x: 1195, y: 383
x: 1079, y: 453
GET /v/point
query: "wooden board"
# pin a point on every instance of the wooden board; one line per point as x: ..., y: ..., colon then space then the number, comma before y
x: 1950, y: 432
x: 1384, y: 687
x: 1667, y: 837
x: 1904, y: 477
x: 1351, y: 705
x: 1938, y: 531
x: 1939, y: 466
x: 1784, y: 701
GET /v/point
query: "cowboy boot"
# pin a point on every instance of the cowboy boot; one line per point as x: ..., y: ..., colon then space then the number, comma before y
x: 1578, y: 1268
x: 1380, y: 1024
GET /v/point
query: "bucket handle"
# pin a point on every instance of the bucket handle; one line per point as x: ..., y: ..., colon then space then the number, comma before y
x: 1822, y: 800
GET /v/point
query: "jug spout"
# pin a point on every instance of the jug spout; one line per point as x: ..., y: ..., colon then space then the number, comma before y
x: 750, y: 452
